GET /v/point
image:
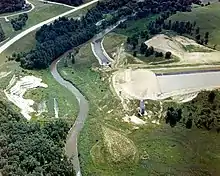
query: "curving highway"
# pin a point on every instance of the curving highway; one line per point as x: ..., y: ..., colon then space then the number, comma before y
x: 22, y: 34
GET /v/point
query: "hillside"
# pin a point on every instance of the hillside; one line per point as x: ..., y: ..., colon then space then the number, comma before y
x: 207, y: 18
x: 11, y: 5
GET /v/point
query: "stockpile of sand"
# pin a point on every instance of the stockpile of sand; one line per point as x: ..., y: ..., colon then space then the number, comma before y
x: 177, y: 46
x: 15, y: 93
x: 136, y: 84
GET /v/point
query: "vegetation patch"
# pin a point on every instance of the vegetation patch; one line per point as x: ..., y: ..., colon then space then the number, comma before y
x: 207, y: 18
x: 118, y: 147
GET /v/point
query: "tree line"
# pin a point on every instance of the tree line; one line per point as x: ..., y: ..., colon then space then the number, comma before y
x: 32, y: 148
x: 19, y: 22
x: 55, y: 39
x: 11, y: 6
x: 69, y: 2
x: 2, y: 34
x: 180, y: 27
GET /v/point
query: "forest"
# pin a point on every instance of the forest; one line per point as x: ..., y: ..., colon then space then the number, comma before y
x: 69, y: 2
x: 64, y: 34
x: 32, y: 148
x: 11, y: 5
x: 2, y: 34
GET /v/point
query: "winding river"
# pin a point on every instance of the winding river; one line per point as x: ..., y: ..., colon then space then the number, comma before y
x: 71, y: 143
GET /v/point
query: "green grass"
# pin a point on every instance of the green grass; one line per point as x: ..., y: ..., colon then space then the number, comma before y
x: 94, y: 85
x: 162, y: 150
x: 135, y: 26
x: 41, y: 13
x: 67, y: 103
x: 207, y: 18
x: 112, y: 42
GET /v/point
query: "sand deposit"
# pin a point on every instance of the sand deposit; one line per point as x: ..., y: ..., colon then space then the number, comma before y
x: 133, y: 119
x: 16, y: 91
x: 4, y: 74
x: 177, y: 46
x: 136, y: 84
x: 143, y: 84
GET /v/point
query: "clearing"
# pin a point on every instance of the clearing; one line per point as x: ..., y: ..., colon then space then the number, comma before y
x: 178, y: 45
x: 143, y: 84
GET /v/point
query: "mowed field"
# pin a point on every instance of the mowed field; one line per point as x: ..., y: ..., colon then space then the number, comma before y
x: 207, y: 18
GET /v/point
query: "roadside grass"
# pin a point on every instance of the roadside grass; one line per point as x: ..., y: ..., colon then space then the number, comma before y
x: 207, y: 18
x: 135, y: 26
x: 41, y: 13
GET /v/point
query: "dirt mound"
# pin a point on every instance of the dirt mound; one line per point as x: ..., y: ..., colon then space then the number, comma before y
x: 119, y: 147
x: 187, y: 50
x: 136, y: 84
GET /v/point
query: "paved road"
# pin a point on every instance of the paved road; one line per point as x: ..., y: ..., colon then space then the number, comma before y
x: 71, y: 144
x: 98, y: 52
x: 97, y: 46
x: 22, y: 34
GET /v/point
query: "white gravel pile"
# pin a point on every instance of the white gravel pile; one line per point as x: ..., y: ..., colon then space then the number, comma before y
x: 15, y: 93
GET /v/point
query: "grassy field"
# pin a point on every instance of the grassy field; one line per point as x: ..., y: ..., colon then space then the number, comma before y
x: 162, y: 150
x: 207, y: 18
x: 41, y: 13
